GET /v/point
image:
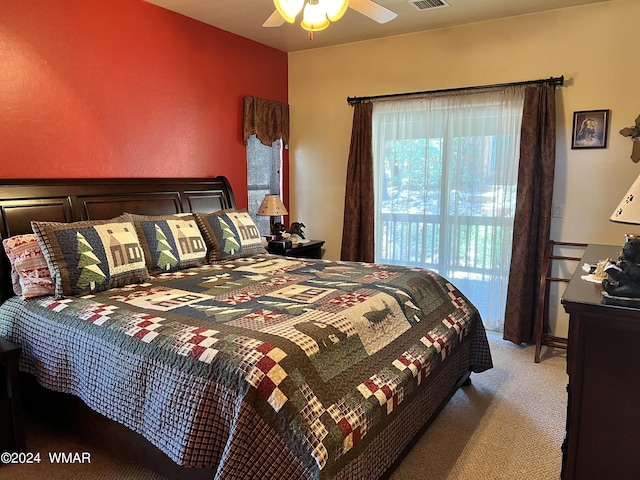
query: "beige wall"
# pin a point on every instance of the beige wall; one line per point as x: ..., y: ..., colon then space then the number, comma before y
x: 592, y: 46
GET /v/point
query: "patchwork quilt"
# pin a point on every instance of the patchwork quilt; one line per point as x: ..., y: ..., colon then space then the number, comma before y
x: 324, y: 352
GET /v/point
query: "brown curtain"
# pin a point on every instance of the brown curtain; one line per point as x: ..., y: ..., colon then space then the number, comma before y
x: 267, y: 119
x: 532, y: 222
x: 357, y: 229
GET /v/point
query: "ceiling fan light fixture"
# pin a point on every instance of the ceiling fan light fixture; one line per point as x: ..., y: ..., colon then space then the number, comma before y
x: 335, y: 8
x: 289, y: 9
x: 314, y: 17
x: 318, y: 14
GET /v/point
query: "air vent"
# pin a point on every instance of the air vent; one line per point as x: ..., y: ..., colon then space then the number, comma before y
x: 427, y: 4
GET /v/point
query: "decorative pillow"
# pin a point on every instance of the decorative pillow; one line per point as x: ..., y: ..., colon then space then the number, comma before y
x: 30, y: 274
x: 229, y: 234
x: 169, y: 242
x: 91, y: 256
x: 15, y: 278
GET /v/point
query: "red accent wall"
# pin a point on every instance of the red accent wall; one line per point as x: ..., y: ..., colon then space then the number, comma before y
x: 124, y: 88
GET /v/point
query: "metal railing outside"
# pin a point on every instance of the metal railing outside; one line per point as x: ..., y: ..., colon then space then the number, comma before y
x: 473, y: 253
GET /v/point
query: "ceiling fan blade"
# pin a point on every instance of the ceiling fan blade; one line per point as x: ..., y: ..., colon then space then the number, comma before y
x: 372, y: 10
x: 274, y: 20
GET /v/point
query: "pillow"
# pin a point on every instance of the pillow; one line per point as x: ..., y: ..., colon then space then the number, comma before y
x: 91, y: 256
x: 229, y: 234
x: 169, y: 242
x: 30, y: 274
x: 15, y: 278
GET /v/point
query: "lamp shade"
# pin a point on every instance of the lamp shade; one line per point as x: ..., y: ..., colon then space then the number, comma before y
x: 314, y: 17
x: 628, y: 210
x: 288, y: 9
x: 272, y: 206
x: 335, y: 8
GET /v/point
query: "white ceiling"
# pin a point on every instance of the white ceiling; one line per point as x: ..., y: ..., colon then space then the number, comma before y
x: 245, y: 18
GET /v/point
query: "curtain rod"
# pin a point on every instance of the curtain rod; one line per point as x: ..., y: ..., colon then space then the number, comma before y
x: 556, y: 81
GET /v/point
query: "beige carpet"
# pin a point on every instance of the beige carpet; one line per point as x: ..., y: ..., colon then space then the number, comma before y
x: 508, y: 425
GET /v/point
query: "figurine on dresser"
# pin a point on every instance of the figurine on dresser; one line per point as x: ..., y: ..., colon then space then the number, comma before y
x: 625, y: 279
x: 296, y: 229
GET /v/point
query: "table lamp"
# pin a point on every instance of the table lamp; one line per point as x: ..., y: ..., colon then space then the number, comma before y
x: 628, y: 210
x: 273, y: 207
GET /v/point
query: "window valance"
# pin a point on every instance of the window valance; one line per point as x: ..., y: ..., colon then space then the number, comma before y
x: 267, y: 119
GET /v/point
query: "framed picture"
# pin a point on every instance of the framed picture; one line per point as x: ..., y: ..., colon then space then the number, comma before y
x: 590, y: 128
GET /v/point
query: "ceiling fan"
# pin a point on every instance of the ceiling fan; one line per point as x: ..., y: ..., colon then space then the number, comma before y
x: 368, y: 8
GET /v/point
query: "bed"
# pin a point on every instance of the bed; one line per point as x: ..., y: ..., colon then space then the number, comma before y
x: 223, y: 361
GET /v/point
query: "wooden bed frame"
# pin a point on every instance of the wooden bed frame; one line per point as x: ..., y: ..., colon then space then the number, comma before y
x: 67, y: 200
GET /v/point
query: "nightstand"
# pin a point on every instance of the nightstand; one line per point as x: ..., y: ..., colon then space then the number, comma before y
x: 11, y: 423
x: 310, y: 249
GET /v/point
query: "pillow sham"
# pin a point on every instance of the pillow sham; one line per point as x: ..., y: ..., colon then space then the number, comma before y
x: 91, y: 256
x: 229, y: 234
x: 15, y: 278
x: 169, y: 242
x: 30, y: 274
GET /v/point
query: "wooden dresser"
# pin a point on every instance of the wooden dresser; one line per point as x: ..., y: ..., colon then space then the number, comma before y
x: 602, y: 439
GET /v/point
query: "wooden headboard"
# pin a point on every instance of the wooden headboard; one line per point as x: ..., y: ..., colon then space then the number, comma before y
x: 70, y: 200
